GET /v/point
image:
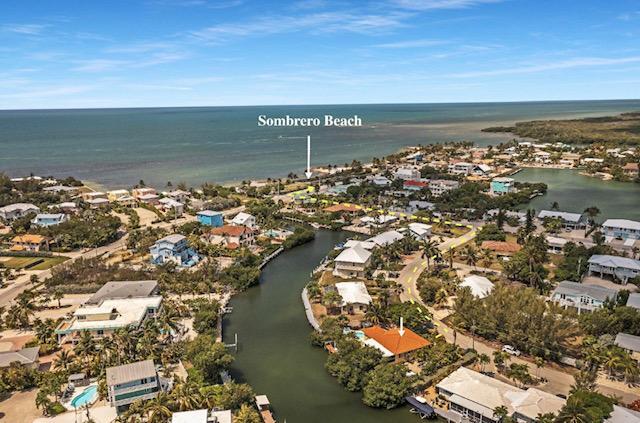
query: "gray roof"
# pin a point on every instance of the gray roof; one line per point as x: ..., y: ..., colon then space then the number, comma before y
x: 172, y: 239
x: 621, y: 223
x: 594, y: 291
x: 386, y: 238
x: 628, y: 342
x: 615, y: 261
x: 23, y: 356
x: 123, y: 289
x: 130, y: 372
x: 634, y: 300
x: 565, y: 216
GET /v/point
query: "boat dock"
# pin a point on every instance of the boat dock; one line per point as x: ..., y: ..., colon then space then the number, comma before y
x: 264, y: 407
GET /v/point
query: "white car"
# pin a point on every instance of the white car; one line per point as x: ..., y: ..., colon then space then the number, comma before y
x: 511, y: 350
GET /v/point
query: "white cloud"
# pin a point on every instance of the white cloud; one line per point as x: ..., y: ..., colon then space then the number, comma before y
x: 24, y: 29
x: 50, y: 92
x: 439, y: 4
x: 629, y: 16
x: 99, y: 65
x: 580, y: 62
x: 412, y: 44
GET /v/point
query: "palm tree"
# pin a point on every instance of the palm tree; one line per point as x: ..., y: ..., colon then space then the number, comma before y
x: 500, y: 412
x: 486, y: 257
x: 539, y: 362
x: 470, y: 255
x: 375, y: 314
x: 429, y: 249
x: 64, y: 359
x: 573, y: 412
x: 484, y: 360
x: 58, y: 295
x: 156, y: 409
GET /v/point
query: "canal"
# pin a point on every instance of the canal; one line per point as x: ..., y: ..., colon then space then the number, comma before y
x: 275, y: 355
x: 575, y: 192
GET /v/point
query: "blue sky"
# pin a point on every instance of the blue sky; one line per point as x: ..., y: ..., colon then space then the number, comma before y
x: 136, y: 53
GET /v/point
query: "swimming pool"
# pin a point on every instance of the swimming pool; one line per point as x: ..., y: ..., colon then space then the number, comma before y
x: 88, y: 396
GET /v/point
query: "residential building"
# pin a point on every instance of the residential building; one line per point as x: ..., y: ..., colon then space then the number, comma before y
x: 15, y: 211
x: 381, y: 181
x: 440, y: 186
x: 96, y: 203
x: 107, y: 316
x: 634, y: 300
x: 49, y: 219
x: 420, y: 231
x: 509, y: 214
x: 386, y: 238
x: 473, y: 397
x: 623, y: 415
x: 501, y: 186
x: 555, y: 244
x: 568, y: 220
x: 93, y: 195
x: 352, y: 262
x: 67, y: 207
x: 394, y: 343
x: 27, y: 357
x: 137, y: 193
x: 355, y: 297
x: 407, y: 173
x: 171, y: 207
x: 581, y: 296
x: 233, y: 236
x: 119, y: 290
x: 467, y: 169
x: 244, y: 219
x: 632, y: 170
x: 479, y: 285
x: 416, y: 205
x: 210, y: 218
x: 619, y: 268
x: 150, y: 199
x: 175, y: 249
x: 29, y: 242
x: 179, y: 195
x: 415, y: 184
x: 621, y: 228
x: 630, y: 343
x: 202, y: 416
x: 132, y: 382
x: 117, y: 194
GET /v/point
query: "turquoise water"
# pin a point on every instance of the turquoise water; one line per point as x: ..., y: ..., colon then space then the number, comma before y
x: 118, y: 147
x: 574, y: 193
x: 85, y: 397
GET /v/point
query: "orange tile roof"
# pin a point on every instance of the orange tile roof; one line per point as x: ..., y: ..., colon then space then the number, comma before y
x: 631, y: 166
x: 29, y: 238
x: 501, y: 246
x: 391, y: 339
x: 231, y: 230
x: 351, y: 208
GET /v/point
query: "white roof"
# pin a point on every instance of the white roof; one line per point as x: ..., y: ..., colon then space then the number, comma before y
x: 615, y: 261
x: 622, y: 223
x: 375, y: 344
x: 19, y: 206
x: 353, y: 293
x: 420, y: 228
x: 479, y: 285
x: 172, y: 239
x: 554, y: 240
x: 195, y: 416
x: 634, y: 300
x: 355, y: 254
x: 129, y: 311
x: 386, y: 238
x: 565, y: 216
x: 241, y: 218
x: 623, y: 415
x: 364, y: 244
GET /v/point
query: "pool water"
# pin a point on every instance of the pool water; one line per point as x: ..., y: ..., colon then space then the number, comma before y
x: 85, y: 397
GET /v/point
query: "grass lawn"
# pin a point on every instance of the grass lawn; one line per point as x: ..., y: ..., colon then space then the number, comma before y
x: 33, y: 263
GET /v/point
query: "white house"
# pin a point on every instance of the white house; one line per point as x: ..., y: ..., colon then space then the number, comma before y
x: 407, y: 173
x: 581, y: 296
x: 352, y: 262
x: 479, y: 285
x: 621, y: 228
x: 244, y: 219
x: 15, y: 211
x: 421, y: 231
x: 386, y: 238
x: 569, y: 220
x: 619, y: 268
x: 49, y: 219
x: 355, y: 297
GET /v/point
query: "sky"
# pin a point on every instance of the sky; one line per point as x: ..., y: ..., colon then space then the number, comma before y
x: 146, y: 53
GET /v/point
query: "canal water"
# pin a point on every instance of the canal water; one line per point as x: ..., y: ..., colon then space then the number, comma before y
x: 575, y: 192
x: 275, y: 355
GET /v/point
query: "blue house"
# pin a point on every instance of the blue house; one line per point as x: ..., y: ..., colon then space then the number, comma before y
x: 501, y: 186
x: 210, y: 218
x: 174, y: 248
x: 49, y: 219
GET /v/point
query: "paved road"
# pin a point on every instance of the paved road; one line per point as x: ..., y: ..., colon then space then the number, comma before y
x: 559, y: 382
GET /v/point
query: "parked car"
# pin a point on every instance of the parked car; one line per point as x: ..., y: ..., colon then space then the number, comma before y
x: 511, y: 350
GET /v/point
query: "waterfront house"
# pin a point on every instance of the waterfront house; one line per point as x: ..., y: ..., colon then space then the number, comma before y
x: 173, y: 249
x: 355, y: 297
x: 137, y: 193
x: 26, y: 357
x: 407, y: 173
x: 380, y: 181
x: 467, y: 169
x: 131, y: 382
x: 630, y: 343
x: 93, y: 195
x: 632, y: 170
x: 568, y: 220
x: 126, y: 201
x: 420, y: 231
x: 29, y: 242
x: 619, y: 268
x: 202, y: 416
x: 96, y: 203
x: 149, y: 199
x: 119, y: 290
x: 171, y: 207
x: 210, y: 218
x: 233, y: 236
x: 117, y: 194
x: 581, y: 296
x: 479, y: 285
x: 621, y: 228
x: 634, y: 300
x: 386, y: 238
x: 352, y: 262
x: 473, y: 397
x: 15, y: 211
x: 555, y: 244
x: 396, y: 343
x: 244, y: 219
x: 502, y: 186
x: 49, y: 219
x: 179, y: 195
x: 509, y: 214
x: 440, y: 186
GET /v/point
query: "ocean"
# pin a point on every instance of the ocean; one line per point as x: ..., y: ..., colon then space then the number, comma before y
x: 118, y: 147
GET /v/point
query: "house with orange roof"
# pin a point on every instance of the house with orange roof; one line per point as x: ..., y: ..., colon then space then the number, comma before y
x: 29, y: 242
x: 233, y: 236
x: 395, y: 342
